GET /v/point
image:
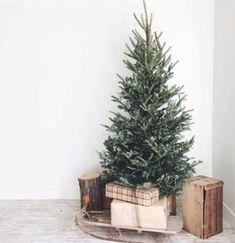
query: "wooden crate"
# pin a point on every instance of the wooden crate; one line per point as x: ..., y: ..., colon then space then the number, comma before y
x: 203, y: 206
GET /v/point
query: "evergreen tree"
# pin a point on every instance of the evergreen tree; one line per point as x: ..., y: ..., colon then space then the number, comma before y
x: 147, y: 146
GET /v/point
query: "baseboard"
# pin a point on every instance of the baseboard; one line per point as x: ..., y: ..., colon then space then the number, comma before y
x: 229, y: 215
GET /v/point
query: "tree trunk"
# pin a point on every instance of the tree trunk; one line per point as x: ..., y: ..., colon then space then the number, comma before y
x: 90, y: 191
x: 172, y: 204
x: 106, y: 202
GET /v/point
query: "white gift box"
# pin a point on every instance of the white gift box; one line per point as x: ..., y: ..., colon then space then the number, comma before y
x: 133, y: 215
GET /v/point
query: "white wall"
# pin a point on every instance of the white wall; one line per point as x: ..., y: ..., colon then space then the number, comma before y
x: 224, y: 112
x: 58, y: 64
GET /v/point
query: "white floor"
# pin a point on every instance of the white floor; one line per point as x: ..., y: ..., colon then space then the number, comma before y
x: 52, y: 221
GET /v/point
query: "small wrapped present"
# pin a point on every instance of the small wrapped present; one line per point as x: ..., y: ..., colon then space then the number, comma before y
x: 124, y: 214
x: 145, y: 197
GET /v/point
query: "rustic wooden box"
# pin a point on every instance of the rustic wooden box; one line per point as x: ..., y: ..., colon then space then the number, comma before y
x: 203, y: 206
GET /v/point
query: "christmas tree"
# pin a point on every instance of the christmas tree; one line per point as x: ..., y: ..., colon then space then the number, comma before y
x: 147, y: 144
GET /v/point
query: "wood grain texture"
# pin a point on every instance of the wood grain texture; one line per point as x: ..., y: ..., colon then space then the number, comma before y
x: 90, y: 191
x: 105, y: 201
x: 203, y: 206
x: 193, y: 208
x: 174, y: 225
x: 172, y: 204
x: 213, y: 211
x: 52, y: 221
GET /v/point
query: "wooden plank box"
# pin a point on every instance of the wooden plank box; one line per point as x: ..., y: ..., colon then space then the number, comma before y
x: 203, y: 206
x: 124, y: 214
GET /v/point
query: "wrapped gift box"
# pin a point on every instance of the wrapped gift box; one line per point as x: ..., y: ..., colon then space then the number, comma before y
x: 146, y: 197
x: 132, y: 215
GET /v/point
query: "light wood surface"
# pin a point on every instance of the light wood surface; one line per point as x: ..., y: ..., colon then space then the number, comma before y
x: 52, y: 221
x: 89, y: 176
x: 174, y: 226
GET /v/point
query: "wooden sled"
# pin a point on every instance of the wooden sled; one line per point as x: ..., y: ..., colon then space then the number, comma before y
x: 104, y: 230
